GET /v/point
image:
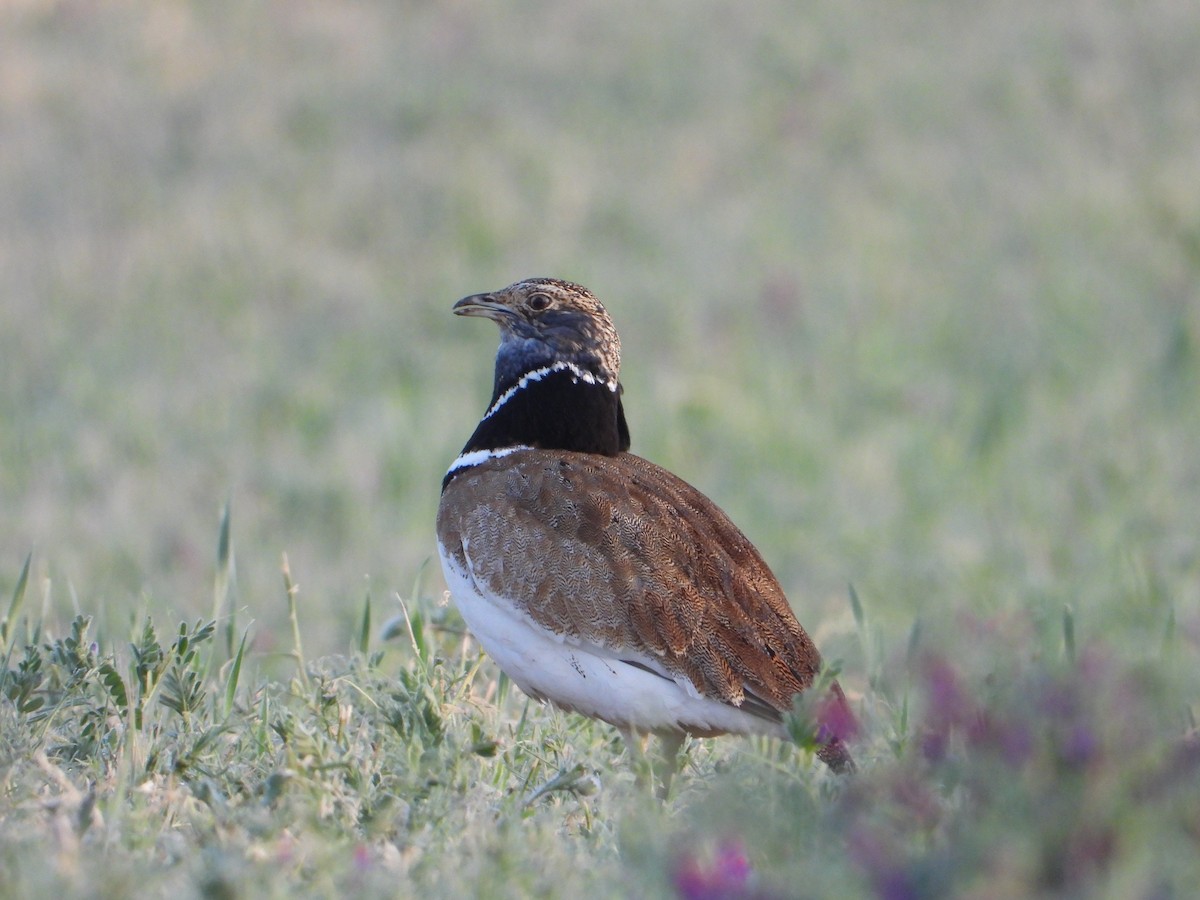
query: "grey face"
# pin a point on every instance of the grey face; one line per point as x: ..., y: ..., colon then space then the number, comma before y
x: 543, y: 321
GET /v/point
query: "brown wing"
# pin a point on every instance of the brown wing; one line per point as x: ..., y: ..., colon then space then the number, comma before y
x: 619, y: 552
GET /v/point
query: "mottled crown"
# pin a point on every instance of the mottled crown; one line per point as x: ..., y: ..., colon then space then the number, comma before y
x: 544, y: 321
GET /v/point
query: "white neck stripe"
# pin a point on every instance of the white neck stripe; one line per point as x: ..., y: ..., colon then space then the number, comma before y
x: 538, y: 374
x: 476, y: 457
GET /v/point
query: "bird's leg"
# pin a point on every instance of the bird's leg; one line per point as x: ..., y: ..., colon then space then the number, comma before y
x: 642, y: 768
x: 668, y: 746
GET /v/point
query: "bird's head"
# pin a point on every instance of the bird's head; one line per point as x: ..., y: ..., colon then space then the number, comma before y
x: 545, y: 321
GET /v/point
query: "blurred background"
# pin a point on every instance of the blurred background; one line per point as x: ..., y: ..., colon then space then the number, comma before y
x: 911, y: 290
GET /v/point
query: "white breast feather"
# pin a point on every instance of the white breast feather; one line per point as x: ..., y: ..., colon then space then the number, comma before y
x: 583, y: 676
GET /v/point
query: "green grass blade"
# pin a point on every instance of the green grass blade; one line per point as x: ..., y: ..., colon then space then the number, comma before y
x: 413, y: 625
x: 1068, y: 625
x: 18, y: 599
x: 856, y: 607
x: 914, y: 643
x: 235, y: 673
x: 294, y: 617
x: 14, y: 606
x: 364, y: 631
x: 224, y: 579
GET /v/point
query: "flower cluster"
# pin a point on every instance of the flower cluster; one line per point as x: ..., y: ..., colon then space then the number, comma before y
x: 1029, y: 775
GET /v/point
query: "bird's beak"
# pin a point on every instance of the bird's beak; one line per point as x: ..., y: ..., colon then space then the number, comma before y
x: 484, y: 305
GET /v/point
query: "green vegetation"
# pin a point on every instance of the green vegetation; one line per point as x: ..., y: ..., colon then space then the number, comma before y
x: 910, y: 290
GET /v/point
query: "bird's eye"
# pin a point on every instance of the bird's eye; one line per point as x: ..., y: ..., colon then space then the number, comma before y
x: 538, y: 302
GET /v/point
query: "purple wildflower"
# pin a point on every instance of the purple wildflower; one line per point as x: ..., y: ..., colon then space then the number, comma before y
x: 1008, y: 738
x: 835, y: 721
x: 726, y: 877
x: 949, y: 703
x: 890, y: 878
x: 362, y: 857
x: 934, y: 744
x: 1079, y: 745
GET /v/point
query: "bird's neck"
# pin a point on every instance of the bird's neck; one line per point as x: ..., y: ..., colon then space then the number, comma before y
x: 556, y: 407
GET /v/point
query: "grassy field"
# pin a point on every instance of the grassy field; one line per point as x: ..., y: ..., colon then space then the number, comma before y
x: 912, y: 291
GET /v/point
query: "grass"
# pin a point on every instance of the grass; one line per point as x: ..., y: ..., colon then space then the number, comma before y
x: 911, y: 292
x: 168, y: 764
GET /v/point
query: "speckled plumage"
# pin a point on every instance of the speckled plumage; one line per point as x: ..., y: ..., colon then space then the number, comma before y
x: 598, y: 580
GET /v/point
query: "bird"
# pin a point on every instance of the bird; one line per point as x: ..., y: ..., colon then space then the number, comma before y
x: 597, y: 580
